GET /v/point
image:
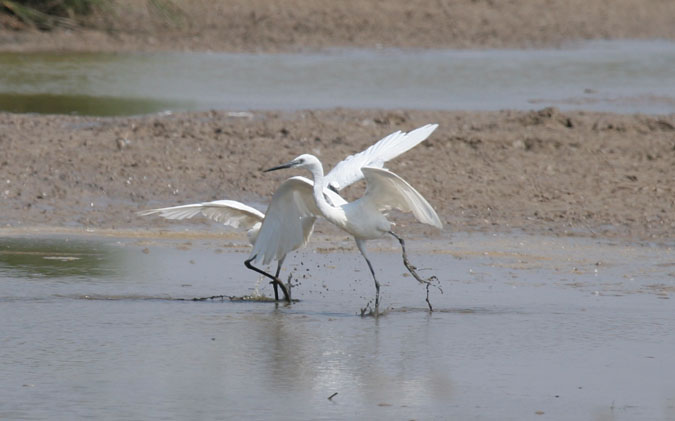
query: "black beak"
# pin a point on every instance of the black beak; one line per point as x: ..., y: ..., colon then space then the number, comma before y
x: 281, y: 167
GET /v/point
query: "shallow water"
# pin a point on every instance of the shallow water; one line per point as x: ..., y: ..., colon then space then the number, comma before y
x: 576, y: 329
x: 617, y: 76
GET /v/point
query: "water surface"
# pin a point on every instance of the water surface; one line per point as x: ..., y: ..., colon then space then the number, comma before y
x: 573, y: 329
x: 617, y: 76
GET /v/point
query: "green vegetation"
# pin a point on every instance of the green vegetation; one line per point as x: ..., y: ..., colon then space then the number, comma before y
x: 48, y: 14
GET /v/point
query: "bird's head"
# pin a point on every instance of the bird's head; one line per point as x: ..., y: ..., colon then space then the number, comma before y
x: 303, y: 161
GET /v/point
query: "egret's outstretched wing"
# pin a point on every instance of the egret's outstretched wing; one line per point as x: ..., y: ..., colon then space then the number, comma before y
x: 289, y: 221
x: 348, y: 171
x: 386, y: 190
x: 229, y: 212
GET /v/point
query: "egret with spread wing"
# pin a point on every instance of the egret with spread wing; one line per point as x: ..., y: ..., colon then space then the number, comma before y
x: 282, y: 210
x: 289, y: 219
x: 364, y: 218
x: 228, y: 212
x: 293, y: 210
x: 231, y: 213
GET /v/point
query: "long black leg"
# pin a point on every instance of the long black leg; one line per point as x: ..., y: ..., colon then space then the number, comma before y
x: 361, y: 245
x: 377, y: 286
x: 274, y: 284
x: 290, y: 275
x: 413, y: 272
x: 275, y: 280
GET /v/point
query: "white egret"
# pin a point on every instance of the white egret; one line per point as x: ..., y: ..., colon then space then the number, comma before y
x: 364, y: 218
x: 229, y: 212
x: 289, y: 220
x: 291, y: 215
x: 282, y: 211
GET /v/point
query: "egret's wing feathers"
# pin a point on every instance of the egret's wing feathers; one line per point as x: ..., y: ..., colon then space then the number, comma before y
x: 229, y: 212
x: 386, y: 190
x: 348, y: 171
x: 289, y: 221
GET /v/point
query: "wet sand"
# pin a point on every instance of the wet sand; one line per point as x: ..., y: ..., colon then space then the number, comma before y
x: 559, y: 173
x: 563, y: 173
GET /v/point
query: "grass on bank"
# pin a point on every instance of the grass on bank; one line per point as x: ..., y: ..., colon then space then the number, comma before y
x: 50, y: 14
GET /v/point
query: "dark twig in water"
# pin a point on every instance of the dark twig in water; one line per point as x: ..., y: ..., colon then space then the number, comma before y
x: 244, y: 298
x: 330, y: 398
x: 432, y: 281
x: 213, y: 297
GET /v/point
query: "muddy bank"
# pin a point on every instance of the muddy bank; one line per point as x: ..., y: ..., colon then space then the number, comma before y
x: 544, y: 171
x: 263, y: 25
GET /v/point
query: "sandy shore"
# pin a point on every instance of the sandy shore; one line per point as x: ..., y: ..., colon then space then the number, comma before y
x: 571, y: 173
x: 265, y: 25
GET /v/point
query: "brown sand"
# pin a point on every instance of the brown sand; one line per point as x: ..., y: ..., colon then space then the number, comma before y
x: 566, y: 173
x: 575, y: 173
x: 266, y: 25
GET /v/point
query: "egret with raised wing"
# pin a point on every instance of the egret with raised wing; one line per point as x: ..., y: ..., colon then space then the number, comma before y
x: 289, y: 220
x: 285, y: 227
x: 231, y: 213
x: 364, y: 218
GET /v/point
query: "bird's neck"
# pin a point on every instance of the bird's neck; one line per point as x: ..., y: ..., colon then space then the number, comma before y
x: 331, y: 213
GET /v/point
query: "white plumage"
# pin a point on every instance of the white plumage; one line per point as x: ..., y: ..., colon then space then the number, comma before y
x: 289, y: 219
x: 348, y: 171
x: 364, y: 218
x: 228, y: 212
